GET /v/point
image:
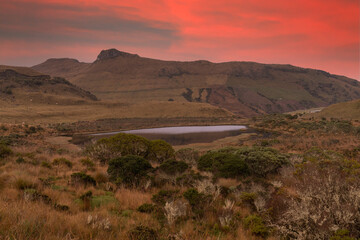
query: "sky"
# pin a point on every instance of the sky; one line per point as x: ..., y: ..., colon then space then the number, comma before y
x: 320, y: 34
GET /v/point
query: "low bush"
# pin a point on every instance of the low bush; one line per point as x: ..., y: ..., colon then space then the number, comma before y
x: 20, y: 160
x: 256, y: 225
x: 87, y: 163
x: 342, y: 234
x: 121, y: 144
x: 129, y: 170
x: 160, y: 151
x: 146, y: 208
x: 223, y: 164
x: 196, y: 200
x: 163, y: 196
x: 173, y: 167
x: 45, y: 164
x: 187, y: 155
x: 262, y: 161
x: 4, y: 151
x: 142, y: 233
x: 82, y: 178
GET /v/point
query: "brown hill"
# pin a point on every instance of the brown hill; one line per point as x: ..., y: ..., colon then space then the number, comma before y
x: 246, y: 88
x: 347, y: 111
x: 23, y: 85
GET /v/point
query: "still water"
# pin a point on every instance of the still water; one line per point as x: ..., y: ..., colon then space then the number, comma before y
x: 186, y: 134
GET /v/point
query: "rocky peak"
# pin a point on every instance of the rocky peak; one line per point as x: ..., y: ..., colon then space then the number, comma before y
x: 113, y: 53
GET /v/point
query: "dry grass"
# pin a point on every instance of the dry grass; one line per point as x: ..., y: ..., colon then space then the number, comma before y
x: 38, y: 113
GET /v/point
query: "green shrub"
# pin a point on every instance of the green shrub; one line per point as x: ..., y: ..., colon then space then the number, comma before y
x: 196, y: 200
x: 4, y: 151
x: 163, y: 196
x: 193, y: 196
x: 142, y: 233
x: 160, y: 151
x: 121, y: 144
x: 187, y: 155
x: 146, y: 208
x: 128, y: 170
x: 87, y: 163
x: 20, y: 160
x: 342, y: 234
x: 173, y: 167
x: 256, y: 225
x: 86, y: 200
x: 262, y: 161
x: 45, y: 164
x: 82, y: 178
x: 248, y: 197
x: 60, y: 207
x: 223, y: 164
x: 62, y: 161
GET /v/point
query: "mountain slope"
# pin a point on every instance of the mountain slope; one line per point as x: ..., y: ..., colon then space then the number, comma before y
x: 246, y: 88
x: 348, y: 111
x: 23, y: 85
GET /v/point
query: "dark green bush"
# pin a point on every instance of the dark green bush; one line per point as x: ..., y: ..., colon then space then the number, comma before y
x: 196, y: 200
x: 163, y: 196
x: 173, y: 167
x: 62, y: 161
x: 60, y: 207
x: 128, y: 170
x: 82, y: 178
x: 142, y: 233
x: 223, y: 164
x: 262, y: 161
x: 160, y: 151
x: 194, y: 197
x: 45, y: 164
x: 4, y: 151
x: 121, y: 144
x: 20, y: 160
x: 146, y: 208
x: 256, y: 225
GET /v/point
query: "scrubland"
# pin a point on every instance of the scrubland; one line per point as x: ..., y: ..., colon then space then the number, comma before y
x: 294, y: 178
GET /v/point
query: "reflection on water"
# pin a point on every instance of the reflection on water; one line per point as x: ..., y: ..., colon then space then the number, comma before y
x: 185, y: 135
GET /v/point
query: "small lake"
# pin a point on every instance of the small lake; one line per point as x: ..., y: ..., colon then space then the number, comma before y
x: 186, y: 134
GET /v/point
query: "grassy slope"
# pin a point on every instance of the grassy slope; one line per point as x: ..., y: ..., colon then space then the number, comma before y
x: 42, y: 113
x: 348, y: 110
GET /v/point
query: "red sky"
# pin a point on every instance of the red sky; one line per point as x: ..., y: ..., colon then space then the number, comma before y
x: 321, y: 34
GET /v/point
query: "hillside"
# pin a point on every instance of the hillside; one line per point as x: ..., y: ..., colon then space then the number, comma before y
x: 246, y: 88
x: 347, y: 110
x: 32, y: 97
x: 23, y: 85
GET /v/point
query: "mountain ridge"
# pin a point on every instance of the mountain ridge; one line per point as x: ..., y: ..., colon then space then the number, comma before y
x: 246, y: 88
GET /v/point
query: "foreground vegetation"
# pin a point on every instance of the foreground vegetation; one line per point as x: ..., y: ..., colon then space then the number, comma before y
x: 296, y: 178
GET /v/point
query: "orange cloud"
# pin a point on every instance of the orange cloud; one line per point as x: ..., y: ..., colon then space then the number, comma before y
x: 320, y: 34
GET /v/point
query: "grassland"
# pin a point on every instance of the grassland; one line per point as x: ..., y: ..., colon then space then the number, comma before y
x: 39, y: 199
